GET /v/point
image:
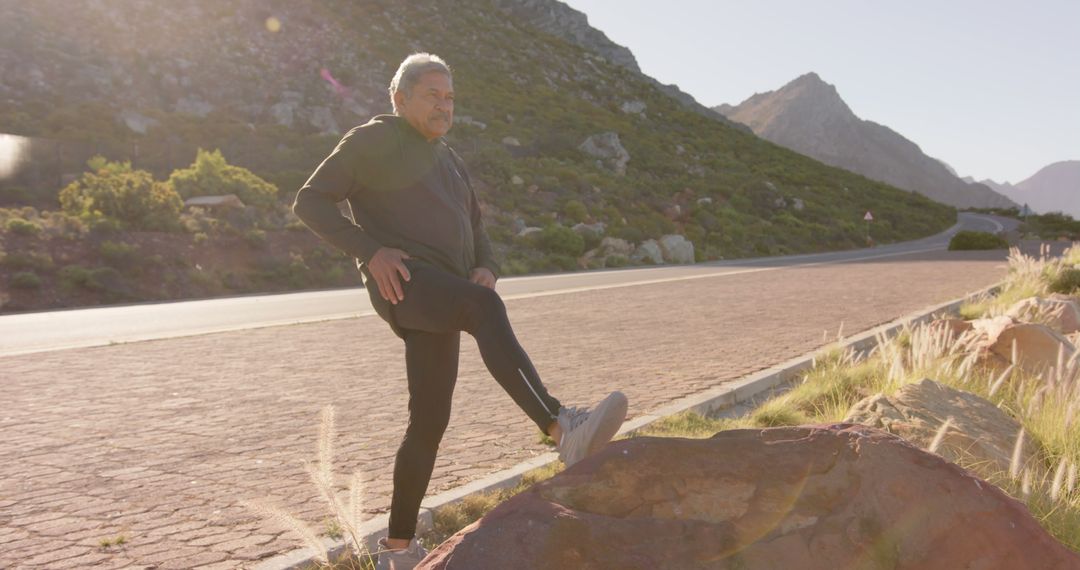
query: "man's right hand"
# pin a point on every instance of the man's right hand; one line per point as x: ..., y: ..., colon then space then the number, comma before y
x: 385, y: 267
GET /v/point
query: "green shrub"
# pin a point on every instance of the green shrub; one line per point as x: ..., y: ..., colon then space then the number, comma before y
x: 75, y: 277
x: 561, y: 240
x: 114, y: 191
x: 966, y: 240
x: 1067, y: 281
x: 19, y: 226
x: 29, y: 260
x: 211, y: 175
x: 575, y: 211
x: 201, y: 238
x: 118, y: 254
x: 255, y: 238
x: 25, y: 280
x: 616, y: 260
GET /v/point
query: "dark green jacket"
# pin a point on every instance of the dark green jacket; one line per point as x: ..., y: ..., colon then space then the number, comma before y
x: 404, y: 192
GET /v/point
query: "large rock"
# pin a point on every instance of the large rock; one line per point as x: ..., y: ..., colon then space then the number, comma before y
x: 607, y: 148
x: 1037, y: 346
x: 803, y: 498
x: 648, y: 251
x: 322, y: 118
x: 979, y: 433
x: 677, y: 249
x: 136, y: 121
x: 1059, y: 312
x: 617, y: 246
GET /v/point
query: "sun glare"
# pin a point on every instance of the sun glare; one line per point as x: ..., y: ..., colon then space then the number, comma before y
x: 12, y: 149
x: 273, y: 24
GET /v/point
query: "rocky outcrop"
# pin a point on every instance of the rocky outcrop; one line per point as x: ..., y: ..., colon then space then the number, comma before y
x: 810, y: 498
x: 566, y: 23
x: 808, y: 116
x: 607, y: 148
x: 648, y: 252
x: 677, y: 249
x: 978, y: 433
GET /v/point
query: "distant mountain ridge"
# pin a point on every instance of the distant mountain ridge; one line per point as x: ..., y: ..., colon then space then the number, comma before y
x: 1054, y: 188
x: 809, y: 116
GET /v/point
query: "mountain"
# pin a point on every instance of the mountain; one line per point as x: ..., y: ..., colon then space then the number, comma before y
x: 807, y: 115
x: 1054, y: 188
x: 556, y: 123
x: 560, y: 20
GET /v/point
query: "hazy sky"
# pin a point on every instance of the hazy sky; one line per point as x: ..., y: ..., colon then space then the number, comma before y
x: 990, y: 87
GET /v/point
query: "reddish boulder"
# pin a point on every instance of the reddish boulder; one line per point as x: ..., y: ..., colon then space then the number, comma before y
x: 825, y: 497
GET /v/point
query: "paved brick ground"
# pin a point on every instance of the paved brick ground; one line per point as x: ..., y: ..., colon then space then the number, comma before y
x: 159, y: 441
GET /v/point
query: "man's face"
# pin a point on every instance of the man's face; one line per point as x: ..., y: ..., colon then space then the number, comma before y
x: 429, y: 108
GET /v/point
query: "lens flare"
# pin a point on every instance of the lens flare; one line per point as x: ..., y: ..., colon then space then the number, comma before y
x: 13, y: 150
x: 273, y: 24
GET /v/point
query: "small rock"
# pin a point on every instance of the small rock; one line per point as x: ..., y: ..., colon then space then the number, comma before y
x: 511, y: 141
x: 607, y: 148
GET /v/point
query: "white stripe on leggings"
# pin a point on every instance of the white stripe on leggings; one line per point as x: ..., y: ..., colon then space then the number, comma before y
x: 523, y: 377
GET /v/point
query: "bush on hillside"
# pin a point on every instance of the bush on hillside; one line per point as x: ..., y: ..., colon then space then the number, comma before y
x: 19, y: 226
x: 976, y: 240
x: 25, y: 280
x: 115, y: 192
x: 211, y: 175
x: 117, y: 254
x: 1067, y: 281
x: 561, y: 240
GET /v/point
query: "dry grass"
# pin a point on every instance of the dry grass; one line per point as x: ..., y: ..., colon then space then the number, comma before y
x: 345, y: 516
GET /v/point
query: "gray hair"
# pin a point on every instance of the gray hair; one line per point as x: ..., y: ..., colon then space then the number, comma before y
x: 411, y: 69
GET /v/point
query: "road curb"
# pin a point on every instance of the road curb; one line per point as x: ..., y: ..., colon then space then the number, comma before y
x: 731, y: 396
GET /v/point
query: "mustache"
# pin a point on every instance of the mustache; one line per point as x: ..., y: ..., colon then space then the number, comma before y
x: 443, y: 116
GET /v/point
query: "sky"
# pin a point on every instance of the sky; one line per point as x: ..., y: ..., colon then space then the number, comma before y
x: 990, y: 87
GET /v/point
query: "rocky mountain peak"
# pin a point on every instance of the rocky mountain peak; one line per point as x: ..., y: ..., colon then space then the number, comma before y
x: 808, y: 116
x: 562, y: 21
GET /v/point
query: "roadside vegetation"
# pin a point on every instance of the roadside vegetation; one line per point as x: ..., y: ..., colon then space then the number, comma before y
x: 1044, y: 405
x: 968, y: 240
x: 527, y: 103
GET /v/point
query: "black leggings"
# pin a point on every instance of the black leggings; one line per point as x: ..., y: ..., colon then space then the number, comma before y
x: 437, y: 307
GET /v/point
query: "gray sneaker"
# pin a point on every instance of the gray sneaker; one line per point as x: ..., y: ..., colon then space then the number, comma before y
x: 584, y: 432
x: 405, y: 559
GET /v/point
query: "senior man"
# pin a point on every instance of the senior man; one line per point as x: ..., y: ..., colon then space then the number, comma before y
x: 420, y: 245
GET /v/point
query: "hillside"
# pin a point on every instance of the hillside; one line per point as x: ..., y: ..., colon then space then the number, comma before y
x: 809, y: 116
x: 274, y: 84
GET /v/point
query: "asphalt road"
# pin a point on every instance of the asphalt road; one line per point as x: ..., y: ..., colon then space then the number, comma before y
x: 56, y: 330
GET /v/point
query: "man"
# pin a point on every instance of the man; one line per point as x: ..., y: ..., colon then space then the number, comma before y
x: 426, y: 261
